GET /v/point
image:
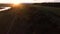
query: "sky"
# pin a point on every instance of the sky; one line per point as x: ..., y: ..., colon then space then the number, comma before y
x: 27, y: 1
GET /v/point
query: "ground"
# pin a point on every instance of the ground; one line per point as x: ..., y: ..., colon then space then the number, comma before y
x: 33, y: 19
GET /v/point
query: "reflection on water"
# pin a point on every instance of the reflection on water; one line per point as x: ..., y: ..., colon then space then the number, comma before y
x: 4, y: 8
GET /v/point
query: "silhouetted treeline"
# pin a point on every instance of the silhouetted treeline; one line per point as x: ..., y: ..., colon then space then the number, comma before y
x: 49, y: 4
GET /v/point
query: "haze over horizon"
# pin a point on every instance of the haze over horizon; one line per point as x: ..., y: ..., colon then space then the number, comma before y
x: 27, y: 1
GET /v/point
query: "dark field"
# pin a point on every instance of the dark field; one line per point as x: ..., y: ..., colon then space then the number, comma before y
x: 31, y: 19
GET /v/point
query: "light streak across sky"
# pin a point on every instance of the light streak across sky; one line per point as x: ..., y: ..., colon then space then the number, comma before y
x: 27, y: 1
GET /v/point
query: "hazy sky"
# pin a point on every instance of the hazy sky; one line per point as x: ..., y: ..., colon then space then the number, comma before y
x: 27, y: 1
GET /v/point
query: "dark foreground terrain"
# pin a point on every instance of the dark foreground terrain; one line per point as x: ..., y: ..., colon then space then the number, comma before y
x: 32, y: 19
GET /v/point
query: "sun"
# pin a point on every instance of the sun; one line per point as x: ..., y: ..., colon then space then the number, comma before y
x: 16, y: 3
